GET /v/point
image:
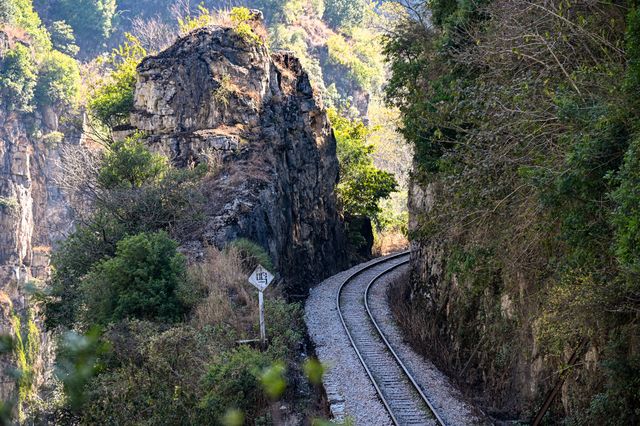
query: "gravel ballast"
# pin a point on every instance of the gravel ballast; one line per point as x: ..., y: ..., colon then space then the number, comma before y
x: 348, y: 387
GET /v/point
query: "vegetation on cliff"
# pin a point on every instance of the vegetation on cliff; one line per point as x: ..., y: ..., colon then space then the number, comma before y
x: 32, y: 73
x: 525, y: 114
x: 145, y: 334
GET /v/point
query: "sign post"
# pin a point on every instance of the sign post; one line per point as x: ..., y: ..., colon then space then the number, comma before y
x: 260, y: 278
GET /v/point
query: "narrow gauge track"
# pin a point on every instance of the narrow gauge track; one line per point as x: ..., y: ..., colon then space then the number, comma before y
x: 398, y: 390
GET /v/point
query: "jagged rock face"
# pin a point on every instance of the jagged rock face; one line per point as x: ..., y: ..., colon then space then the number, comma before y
x: 214, y: 94
x: 34, y: 214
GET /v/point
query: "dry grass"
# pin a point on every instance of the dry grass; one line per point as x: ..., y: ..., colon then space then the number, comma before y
x: 15, y: 34
x: 229, y: 299
x: 388, y: 242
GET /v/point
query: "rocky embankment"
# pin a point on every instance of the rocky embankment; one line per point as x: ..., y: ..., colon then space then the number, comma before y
x: 217, y: 97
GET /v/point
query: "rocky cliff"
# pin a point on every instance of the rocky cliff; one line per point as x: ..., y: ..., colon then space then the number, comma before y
x: 217, y: 96
x: 34, y: 214
x: 482, y: 336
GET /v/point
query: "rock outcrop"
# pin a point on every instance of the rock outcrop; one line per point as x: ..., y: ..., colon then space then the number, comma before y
x: 215, y: 95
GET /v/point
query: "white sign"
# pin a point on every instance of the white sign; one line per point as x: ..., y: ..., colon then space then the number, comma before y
x: 260, y: 278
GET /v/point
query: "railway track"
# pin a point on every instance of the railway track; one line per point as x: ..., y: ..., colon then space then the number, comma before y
x: 401, y: 395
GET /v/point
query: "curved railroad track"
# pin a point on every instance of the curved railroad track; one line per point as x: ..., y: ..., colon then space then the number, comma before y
x: 398, y: 390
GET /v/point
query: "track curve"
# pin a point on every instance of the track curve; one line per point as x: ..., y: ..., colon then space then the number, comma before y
x: 398, y: 390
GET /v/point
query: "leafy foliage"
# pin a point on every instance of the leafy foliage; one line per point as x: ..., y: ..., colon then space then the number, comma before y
x: 190, y: 23
x: 136, y: 192
x: 112, y: 100
x: 344, y: 13
x: 233, y: 381
x: 535, y: 133
x: 58, y: 80
x: 92, y: 20
x: 242, y: 19
x: 18, y: 78
x: 22, y: 15
x: 252, y: 254
x: 141, y: 281
x: 77, y: 361
x: 130, y: 164
x: 63, y: 38
x: 362, y: 185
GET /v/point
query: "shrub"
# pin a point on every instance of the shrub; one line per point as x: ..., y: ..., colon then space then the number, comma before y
x: 284, y: 329
x: 18, y: 78
x: 21, y: 14
x: 252, y: 254
x: 626, y: 216
x: 92, y: 20
x: 141, y: 281
x: 233, y: 382
x: 166, y: 390
x: 53, y: 138
x: 58, y: 80
x: 361, y: 185
x: 78, y: 361
x: 130, y: 164
x: 242, y: 25
x: 112, y: 101
x: 344, y: 13
x: 9, y: 204
x: 63, y: 38
x: 189, y: 23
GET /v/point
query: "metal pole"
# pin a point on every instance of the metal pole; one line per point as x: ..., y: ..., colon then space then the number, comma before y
x: 263, y: 334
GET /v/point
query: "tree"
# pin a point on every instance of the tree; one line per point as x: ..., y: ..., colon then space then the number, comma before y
x: 142, y: 281
x: 362, y: 185
x: 17, y: 78
x: 58, y: 80
x: 92, y: 20
x: 130, y: 164
x: 344, y: 13
x: 21, y: 14
x: 112, y: 100
x: 63, y: 38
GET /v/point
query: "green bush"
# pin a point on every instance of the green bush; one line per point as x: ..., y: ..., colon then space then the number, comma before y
x: 71, y: 261
x: 92, y: 20
x: 344, y: 13
x: 112, y: 100
x: 242, y: 18
x: 130, y: 164
x: 141, y: 281
x: 233, y: 382
x: 252, y: 254
x: 7, y: 11
x: 78, y: 361
x: 58, y: 80
x: 284, y: 329
x: 18, y: 78
x: 153, y: 375
x: 22, y: 14
x: 63, y: 38
x: 626, y: 216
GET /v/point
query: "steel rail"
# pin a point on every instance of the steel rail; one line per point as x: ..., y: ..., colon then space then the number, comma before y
x: 386, y: 342
x: 349, y: 279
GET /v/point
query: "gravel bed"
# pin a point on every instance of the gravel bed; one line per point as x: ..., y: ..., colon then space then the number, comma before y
x: 349, y: 390
x: 442, y: 394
